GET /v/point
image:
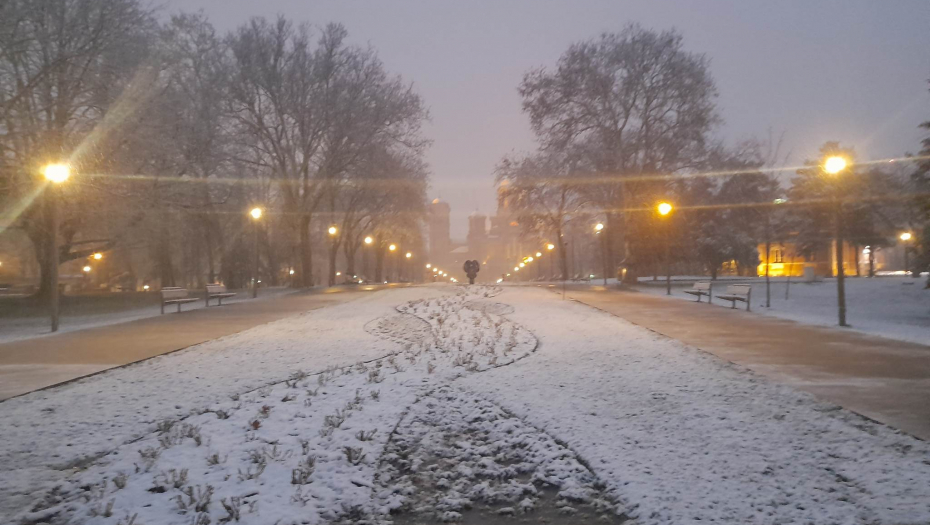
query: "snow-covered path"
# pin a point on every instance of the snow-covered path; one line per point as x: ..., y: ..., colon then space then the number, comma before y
x: 45, y: 433
x: 683, y: 437
x: 674, y: 435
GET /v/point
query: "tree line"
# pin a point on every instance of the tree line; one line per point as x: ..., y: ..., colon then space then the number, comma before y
x: 173, y: 132
x: 627, y: 120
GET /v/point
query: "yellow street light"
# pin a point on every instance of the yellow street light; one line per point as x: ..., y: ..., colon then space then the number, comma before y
x: 57, y: 173
x: 538, y: 254
x: 598, y: 227
x: 291, y: 272
x: 516, y: 268
x: 435, y: 270
x: 428, y: 266
x: 408, y: 255
x: 256, y: 213
x: 834, y: 165
x: 550, y: 246
x: 87, y: 269
x: 521, y: 265
x: 529, y: 259
x: 97, y: 256
x: 145, y: 287
x: 368, y: 240
x: 332, y: 230
x: 664, y: 208
x: 906, y: 236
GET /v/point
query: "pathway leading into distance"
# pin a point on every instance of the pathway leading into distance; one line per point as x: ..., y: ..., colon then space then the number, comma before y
x: 880, y: 378
x: 31, y: 364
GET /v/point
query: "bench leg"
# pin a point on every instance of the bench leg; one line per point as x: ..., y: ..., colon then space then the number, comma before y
x: 219, y: 301
x: 699, y: 297
x: 732, y: 304
x: 163, y: 308
x: 179, y: 307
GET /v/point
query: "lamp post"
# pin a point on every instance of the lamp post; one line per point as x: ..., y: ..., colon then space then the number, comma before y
x: 256, y: 214
x: 551, y: 247
x: 407, y: 272
x: 391, y: 249
x: 834, y: 166
x: 665, y: 209
x: 598, y: 228
x: 333, y: 231
x: 906, y: 238
x: 56, y: 174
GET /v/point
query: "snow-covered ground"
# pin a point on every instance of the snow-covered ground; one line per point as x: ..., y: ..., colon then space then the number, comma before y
x: 20, y: 328
x: 893, y: 307
x: 441, y: 403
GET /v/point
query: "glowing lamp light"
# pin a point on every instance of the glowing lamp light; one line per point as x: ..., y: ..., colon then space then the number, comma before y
x: 550, y: 246
x: 906, y: 236
x: 521, y: 265
x: 332, y: 230
x: 392, y: 247
x: 368, y: 240
x: 598, y: 227
x: 98, y: 256
x: 338, y: 274
x: 516, y: 268
x: 291, y: 272
x: 834, y: 165
x: 529, y: 259
x: 256, y: 213
x: 428, y: 266
x: 408, y: 255
x: 538, y: 254
x: 86, y: 269
x: 664, y: 208
x: 145, y: 287
x: 57, y: 173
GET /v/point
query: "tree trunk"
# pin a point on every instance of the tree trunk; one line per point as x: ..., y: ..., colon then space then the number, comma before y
x: 350, y: 250
x: 333, y: 252
x: 306, y: 252
x: 379, y: 260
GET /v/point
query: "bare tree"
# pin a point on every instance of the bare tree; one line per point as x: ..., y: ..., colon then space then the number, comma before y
x: 544, y: 192
x: 64, y: 66
x: 637, y: 104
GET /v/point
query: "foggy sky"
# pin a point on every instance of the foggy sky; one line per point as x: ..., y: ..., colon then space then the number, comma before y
x: 853, y: 71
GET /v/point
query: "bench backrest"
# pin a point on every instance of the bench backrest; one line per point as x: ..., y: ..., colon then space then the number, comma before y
x: 703, y: 286
x: 173, y: 293
x: 738, y: 289
x: 216, y: 288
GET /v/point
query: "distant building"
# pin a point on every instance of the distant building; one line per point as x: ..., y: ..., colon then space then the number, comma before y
x: 440, y: 241
x: 785, y: 259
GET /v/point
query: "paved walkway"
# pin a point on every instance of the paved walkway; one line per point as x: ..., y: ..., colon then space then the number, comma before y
x: 45, y: 361
x: 883, y: 379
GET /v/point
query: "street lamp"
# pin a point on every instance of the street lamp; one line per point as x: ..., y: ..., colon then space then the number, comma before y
x: 598, y: 228
x: 256, y: 214
x: 368, y: 240
x: 835, y: 165
x: 57, y: 174
x: 392, y: 247
x: 428, y: 266
x: 97, y: 256
x: 332, y: 230
x: 87, y: 269
x: 905, y: 238
x: 665, y: 209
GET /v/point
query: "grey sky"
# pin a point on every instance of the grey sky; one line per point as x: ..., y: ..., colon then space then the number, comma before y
x: 853, y: 71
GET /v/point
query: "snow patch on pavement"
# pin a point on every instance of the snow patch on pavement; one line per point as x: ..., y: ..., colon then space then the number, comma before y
x: 685, y: 437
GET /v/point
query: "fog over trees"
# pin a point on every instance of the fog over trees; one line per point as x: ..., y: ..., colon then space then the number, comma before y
x: 626, y: 120
x: 173, y: 132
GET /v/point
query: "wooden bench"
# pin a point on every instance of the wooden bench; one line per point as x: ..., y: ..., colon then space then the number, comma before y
x: 218, y: 292
x: 175, y: 295
x: 702, y: 288
x: 738, y: 292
